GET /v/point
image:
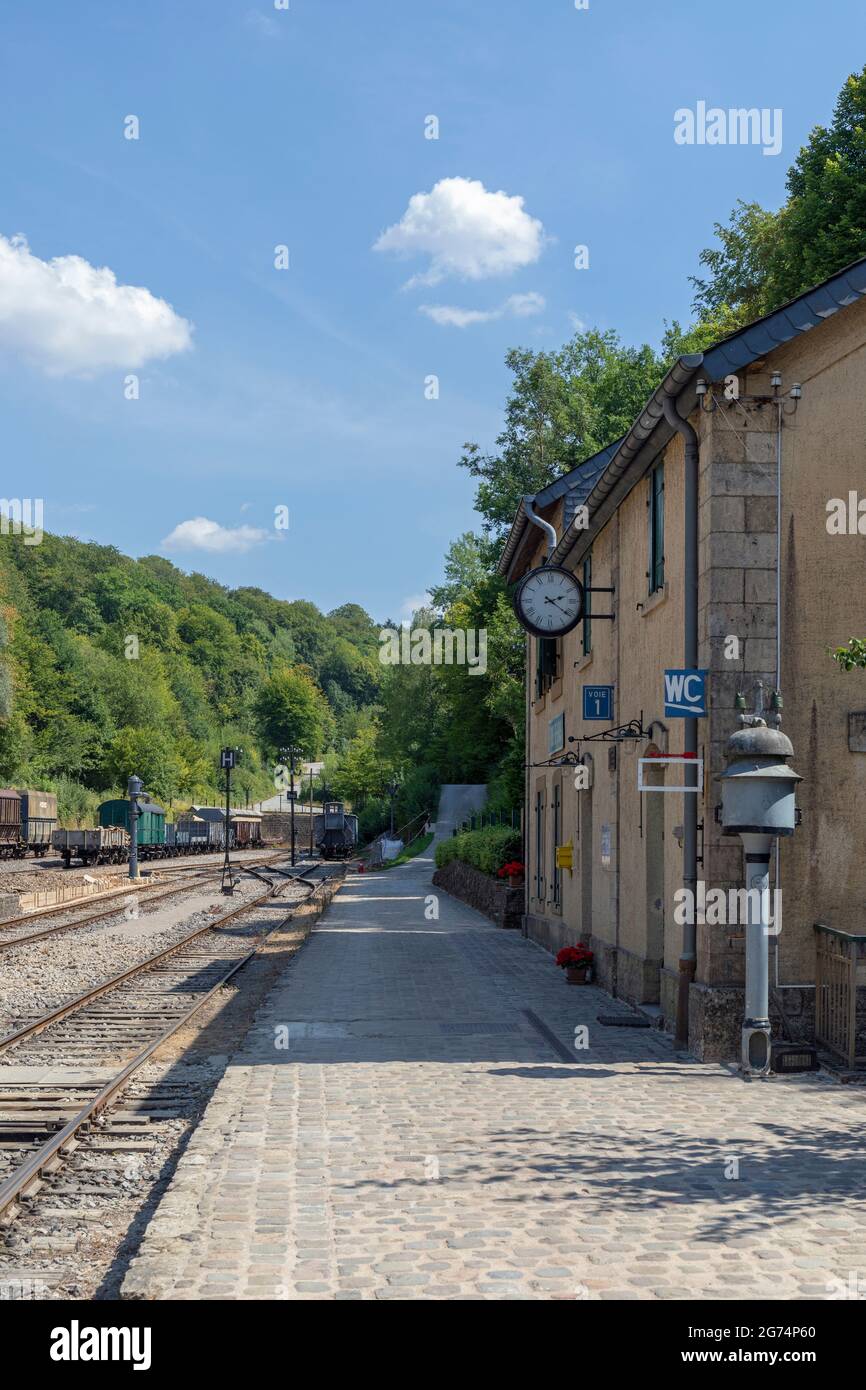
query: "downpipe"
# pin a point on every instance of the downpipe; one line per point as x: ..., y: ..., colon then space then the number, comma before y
x: 688, y: 954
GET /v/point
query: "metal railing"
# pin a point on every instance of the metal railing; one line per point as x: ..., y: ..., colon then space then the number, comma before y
x: 840, y: 965
x: 483, y: 818
x: 408, y: 833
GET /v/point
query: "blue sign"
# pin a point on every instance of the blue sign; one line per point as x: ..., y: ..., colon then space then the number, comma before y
x: 598, y: 702
x: 685, y: 694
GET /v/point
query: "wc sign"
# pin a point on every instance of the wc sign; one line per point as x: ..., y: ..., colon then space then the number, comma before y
x: 685, y: 694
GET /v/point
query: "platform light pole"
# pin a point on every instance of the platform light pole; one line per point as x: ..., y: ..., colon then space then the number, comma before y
x: 228, y: 759
x: 134, y: 786
x: 291, y: 753
x: 392, y: 790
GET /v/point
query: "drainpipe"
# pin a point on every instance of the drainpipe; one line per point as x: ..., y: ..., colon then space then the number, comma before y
x: 688, y: 954
x: 539, y: 521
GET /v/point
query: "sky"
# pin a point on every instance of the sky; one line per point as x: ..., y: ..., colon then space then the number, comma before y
x: 217, y: 339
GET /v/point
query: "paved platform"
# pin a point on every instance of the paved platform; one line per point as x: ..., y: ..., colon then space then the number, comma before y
x: 409, y: 1118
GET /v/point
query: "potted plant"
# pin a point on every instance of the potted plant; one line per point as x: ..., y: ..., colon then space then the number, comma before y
x: 575, y: 961
x: 513, y: 871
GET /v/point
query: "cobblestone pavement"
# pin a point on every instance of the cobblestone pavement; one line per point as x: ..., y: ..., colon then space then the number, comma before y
x: 430, y: 1131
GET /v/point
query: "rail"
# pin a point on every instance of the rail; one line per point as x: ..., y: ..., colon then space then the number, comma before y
x: 840, y: 966
x: 28, y: 1173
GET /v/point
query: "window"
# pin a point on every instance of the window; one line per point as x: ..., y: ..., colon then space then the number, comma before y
x: 546, y: 664
x: 557, y: 836
x: 656, y: 573
x: 556, y: 734
x: 539, y: 845
x: 587, y: 624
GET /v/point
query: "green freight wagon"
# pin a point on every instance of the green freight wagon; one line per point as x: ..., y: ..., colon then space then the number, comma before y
x: 151, y: 823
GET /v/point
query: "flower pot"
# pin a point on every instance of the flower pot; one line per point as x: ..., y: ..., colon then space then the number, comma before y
x: 576, y: 974
x: 515, y: 880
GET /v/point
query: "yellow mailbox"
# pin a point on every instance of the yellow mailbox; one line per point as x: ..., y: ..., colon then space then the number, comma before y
x: 565, y: 856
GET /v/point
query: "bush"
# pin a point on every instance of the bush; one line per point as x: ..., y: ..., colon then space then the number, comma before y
x: 486, y: 849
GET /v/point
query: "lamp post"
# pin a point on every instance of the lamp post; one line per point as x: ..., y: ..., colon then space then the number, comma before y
x: 291, y: 753
x: 228, y: 759
x: 311, y: 810
x: 134, y: 786
x: 758, y: 790
x: 392, y: 790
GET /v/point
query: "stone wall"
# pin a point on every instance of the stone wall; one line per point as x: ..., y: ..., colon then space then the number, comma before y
x: 277, y: 828
x: 503, y: 905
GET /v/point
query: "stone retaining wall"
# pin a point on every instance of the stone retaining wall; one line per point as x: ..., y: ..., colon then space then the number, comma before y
x: 503, y: 905
x: 15, y: 904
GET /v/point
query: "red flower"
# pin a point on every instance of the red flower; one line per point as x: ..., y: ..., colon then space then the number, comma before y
x: 570, y: 957
x: 510, y: 870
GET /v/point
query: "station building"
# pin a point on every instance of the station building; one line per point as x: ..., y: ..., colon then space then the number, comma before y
x: 776, y: 572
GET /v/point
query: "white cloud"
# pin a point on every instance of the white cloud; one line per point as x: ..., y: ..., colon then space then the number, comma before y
x: 262, y: 23
x: 516, y: 306
x: 67, y: 316
x: 576, y: 322
x: 410, y: 606
x: 201, y: 534
x: 467, y: 232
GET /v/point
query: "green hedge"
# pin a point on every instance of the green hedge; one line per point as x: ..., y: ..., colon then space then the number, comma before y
x: 486, y: 849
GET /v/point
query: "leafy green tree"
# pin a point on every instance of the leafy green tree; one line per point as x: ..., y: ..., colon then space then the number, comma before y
x: 148, y: 754
x: 563, y: 407
x: 766, y: 258
x: 362, y: 772
x: 291, y: 710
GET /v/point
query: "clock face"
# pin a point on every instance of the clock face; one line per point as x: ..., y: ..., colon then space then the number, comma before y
x: 549, y: 601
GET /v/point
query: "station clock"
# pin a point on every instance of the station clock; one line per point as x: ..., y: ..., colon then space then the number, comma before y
x: 549, y: 601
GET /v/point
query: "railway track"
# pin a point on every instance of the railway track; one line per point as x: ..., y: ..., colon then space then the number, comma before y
x: 144, y: 897
x: 113, y: 1029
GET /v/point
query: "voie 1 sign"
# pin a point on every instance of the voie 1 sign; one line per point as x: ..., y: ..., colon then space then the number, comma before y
x: 598, y: 702
x: 685, y: 694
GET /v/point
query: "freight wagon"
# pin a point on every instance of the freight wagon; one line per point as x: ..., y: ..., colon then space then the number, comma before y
x: 195, y: 835
x: 335, y: 831
x: 245, y: 827
x: 151, y: 824
x: 109, y: 844
x: 27, y: 819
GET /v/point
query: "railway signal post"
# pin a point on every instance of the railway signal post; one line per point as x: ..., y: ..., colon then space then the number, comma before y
x: 228, y: 760
x: 291, y: 753
x: 133, y: 786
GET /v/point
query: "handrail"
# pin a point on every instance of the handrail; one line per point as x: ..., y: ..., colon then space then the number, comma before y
x: 837, y: 931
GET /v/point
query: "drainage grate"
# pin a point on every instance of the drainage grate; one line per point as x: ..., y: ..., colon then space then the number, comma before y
x: 793, y: 1057
x: 623, y: 1021
x: 472, y: 1030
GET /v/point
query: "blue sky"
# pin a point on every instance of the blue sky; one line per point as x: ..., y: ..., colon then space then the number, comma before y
x: 304, y: 388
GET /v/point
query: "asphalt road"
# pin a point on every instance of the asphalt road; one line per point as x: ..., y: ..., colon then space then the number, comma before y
x: 457, y: 800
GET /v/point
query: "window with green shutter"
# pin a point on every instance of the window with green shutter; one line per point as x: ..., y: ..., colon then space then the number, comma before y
x: 587, y: 596
x: 656, y: 572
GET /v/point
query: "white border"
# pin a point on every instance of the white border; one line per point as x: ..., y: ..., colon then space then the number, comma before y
x: 674, y: 758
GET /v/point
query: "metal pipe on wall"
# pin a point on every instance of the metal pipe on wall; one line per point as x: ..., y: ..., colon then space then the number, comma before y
x: 688, y: 953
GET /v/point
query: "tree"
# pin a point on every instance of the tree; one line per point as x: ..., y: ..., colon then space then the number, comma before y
x: 766, y: 258
x: 148, y: 754
x: 291, y: 710
x: 739, y: 267
x: 564, y: 406
x: 362, y: 772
